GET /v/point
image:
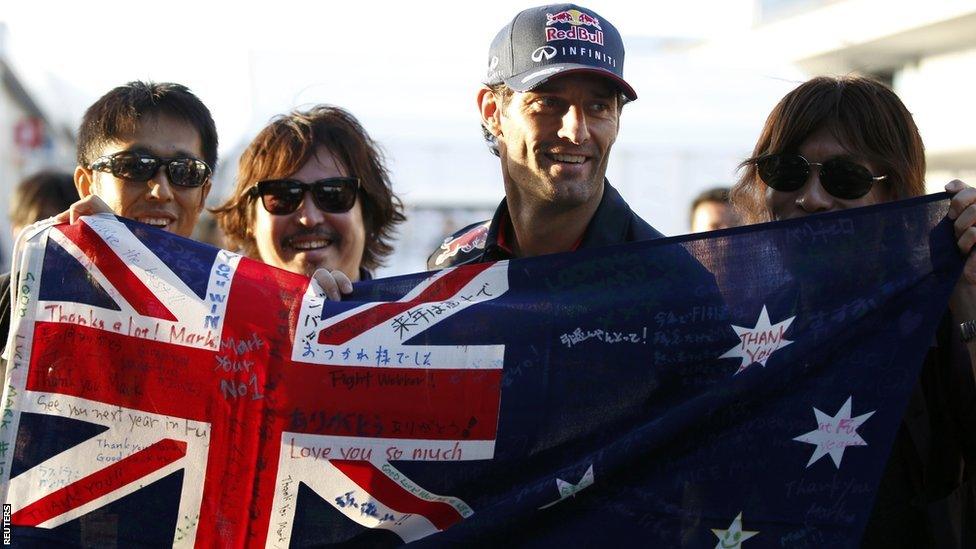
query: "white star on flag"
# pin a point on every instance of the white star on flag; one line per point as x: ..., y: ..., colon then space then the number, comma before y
x: 734, y: 536
x: 567, y: 489
x: 834, y: 434
x: 759, y: 343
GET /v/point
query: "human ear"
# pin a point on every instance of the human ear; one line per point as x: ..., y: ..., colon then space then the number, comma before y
x: 490, y: 106
x: 204, y: 192
x: 84, y: 181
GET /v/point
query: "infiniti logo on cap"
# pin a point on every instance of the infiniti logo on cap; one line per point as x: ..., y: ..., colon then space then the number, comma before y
x: 544, y: 52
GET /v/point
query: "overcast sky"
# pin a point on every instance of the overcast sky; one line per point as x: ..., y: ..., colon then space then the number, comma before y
x: 409, y: 72
x: 391, y: 63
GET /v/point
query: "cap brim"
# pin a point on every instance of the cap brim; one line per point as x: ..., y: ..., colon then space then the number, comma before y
x: 528, y: 80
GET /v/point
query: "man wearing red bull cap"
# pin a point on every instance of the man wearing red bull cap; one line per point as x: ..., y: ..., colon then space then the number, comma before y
x: 550, y: 110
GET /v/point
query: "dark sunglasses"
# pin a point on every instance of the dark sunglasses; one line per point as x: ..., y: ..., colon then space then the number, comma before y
x: 283, y: 196
x: 141, y: 167
x: 839, y: 177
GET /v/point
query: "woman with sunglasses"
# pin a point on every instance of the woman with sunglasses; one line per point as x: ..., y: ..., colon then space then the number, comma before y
x: 313, y: 193
x: 837, y: 143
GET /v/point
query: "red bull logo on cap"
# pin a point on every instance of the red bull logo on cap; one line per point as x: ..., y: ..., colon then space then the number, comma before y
x: 573, y: 17
x: 577, y: 31
x: 574, y: 33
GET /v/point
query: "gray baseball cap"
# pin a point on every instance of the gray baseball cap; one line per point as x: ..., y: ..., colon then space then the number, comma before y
x: 558, y: 39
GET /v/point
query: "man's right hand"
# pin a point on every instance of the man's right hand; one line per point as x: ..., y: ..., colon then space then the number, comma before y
x: 90, y: 205
x: 333, y: 283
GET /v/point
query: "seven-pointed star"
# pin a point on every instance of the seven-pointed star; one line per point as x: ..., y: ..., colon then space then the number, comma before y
x: 834, y: 434
x: 733, y: 537
x: 759, y: 343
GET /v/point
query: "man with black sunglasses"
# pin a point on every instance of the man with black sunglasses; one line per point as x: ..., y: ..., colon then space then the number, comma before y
x: 145, y: 151
x: 550, y: 109
x: 314, y: 197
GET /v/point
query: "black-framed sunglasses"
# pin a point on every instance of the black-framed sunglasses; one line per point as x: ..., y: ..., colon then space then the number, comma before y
x: 840, y: 177
x: 283, y: 196
x: 141, y: 167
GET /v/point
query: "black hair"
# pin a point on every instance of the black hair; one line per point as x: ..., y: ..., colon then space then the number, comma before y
x: 117, y: 115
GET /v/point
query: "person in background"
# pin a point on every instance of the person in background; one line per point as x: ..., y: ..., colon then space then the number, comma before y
x: 313, y: 195
x: 42, y: 195
x: 711, y: 211
x: 847, y: 142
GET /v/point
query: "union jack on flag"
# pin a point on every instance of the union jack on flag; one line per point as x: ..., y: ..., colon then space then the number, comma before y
x: 735, y: 389
x: 238, y: 384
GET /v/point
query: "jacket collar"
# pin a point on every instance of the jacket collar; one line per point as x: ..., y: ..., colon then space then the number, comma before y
x: 608, y: 226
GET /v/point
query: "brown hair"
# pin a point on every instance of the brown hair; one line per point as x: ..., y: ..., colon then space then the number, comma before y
x: 864, y: 115
x: 286, y: 144
x: 716, y: 194
x: 45, y: 191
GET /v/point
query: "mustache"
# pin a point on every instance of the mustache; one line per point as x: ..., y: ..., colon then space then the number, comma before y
x: 316, y: 232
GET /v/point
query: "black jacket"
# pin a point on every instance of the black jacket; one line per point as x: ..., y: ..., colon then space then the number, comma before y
x: 613, y: 223
x: 927, y: 495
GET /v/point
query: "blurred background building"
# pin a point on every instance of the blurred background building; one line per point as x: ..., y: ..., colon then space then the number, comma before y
x: 706, y: 86
x: 30, y: 140
x: 925, y: 51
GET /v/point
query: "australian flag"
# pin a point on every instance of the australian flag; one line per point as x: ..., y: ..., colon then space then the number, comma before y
x: 736, y: 389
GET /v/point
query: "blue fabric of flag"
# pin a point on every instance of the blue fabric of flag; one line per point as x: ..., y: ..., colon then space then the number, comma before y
x: 740, y: 388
